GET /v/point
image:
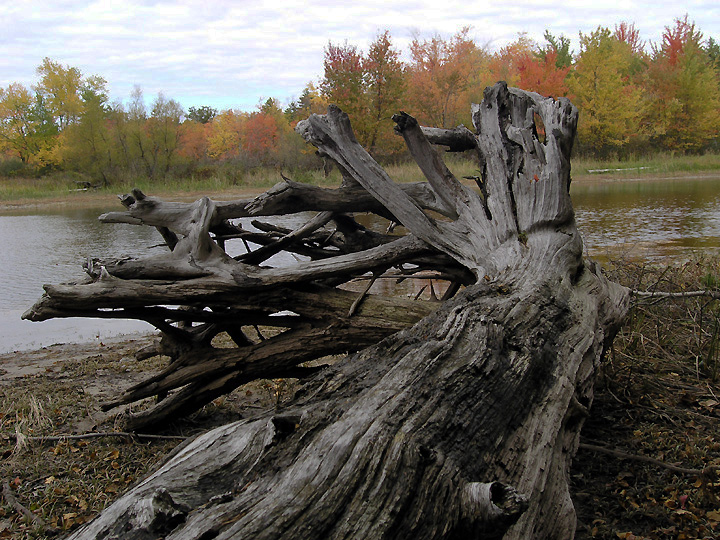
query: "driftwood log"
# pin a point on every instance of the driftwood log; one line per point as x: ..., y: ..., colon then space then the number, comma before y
x: 454, y: 419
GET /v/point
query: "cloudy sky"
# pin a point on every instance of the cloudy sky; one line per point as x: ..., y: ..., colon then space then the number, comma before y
x: 235, y: 54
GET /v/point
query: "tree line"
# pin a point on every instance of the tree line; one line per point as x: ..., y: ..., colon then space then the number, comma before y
x: 633, y: 96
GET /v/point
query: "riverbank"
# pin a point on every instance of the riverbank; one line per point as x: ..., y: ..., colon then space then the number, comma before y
x: 651, y: 429
x: 107, y: 197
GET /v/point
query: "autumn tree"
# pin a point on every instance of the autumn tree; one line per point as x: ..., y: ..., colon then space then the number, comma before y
x: 26, y: 127
x: 343, y: 80
x: 193, y: 143
x: 505, y: 64
x: 163, y: 130
x: 86, y: 145
x: 385, y: 86
x: 60, y: 88
x: 685, y: 112
x: 129, y: 132
x: 544, y: 69
x: 148, y: 141
x: 627, y: 33
x: 262, y: 134
x: 610, y: 103
x: 542, y: 75
x: 442, y: 75
x: 368, y: 86
x: 712, y: 49
x: 78, y: 106
x: 525, y: 64
x: 223, y: 140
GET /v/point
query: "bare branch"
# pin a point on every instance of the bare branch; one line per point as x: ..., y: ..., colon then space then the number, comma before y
x: 646, y: 295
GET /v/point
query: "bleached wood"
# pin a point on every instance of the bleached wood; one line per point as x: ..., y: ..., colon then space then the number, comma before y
x: 462, y: 424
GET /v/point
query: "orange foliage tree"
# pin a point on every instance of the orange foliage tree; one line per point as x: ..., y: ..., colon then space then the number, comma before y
x: 343, y: 80
x: 505, y: 64
x: 194, y: 140
x: 369, y: 87
x: 542, y: 75
x: 265, y: 135
x: 685, y: 112
x: 442, y: 75
x: 385, y: 86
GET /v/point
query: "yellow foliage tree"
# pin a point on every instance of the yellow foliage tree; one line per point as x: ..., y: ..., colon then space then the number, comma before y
x: 611, y: 105
x: 224, y: 136
x: 684, y: 89
x: 60, y: 88
x: 26, y: 129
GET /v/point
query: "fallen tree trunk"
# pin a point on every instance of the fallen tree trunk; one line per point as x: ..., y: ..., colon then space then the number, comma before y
x: 460, y: 423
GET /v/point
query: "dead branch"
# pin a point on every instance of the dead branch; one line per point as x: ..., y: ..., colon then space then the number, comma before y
x: 647, y: 459
x: 19, y: 508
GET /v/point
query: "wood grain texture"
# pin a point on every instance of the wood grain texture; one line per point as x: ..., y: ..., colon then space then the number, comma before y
x: 452, y: 420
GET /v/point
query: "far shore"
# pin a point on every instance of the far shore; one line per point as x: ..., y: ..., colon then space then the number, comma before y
x: 90, y: 199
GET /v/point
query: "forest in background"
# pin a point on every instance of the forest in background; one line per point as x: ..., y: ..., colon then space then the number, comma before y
x: 635, y: 98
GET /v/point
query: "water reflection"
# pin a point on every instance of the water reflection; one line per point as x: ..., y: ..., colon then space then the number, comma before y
x: 649, y: 219
x: 50, y: 247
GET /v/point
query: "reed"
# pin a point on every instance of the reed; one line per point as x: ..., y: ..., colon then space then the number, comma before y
x: 15, y: 188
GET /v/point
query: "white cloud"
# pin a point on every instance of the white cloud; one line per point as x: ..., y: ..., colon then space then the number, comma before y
x: 234, y: 53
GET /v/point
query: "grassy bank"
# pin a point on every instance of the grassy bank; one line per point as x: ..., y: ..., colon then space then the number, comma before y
x: 62, y: 185
x: 68, y: 185
x: 654, y: 164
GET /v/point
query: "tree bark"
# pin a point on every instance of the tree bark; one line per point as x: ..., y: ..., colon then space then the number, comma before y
x: 460, y: 423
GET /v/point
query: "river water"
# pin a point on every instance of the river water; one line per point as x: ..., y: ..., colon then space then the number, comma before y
x: 648, y: 219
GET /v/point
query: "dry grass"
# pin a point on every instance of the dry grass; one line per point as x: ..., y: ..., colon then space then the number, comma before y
x: 65, y: 483
x: 658, y: 395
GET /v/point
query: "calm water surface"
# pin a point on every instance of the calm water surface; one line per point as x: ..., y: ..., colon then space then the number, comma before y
x: 649, y: 219
x: 637, y: 219
x: 50, y: 246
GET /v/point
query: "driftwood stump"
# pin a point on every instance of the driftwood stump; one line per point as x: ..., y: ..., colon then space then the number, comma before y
x: 454, y: 419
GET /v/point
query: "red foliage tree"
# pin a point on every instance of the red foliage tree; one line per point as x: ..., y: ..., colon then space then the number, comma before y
x: 684, y: 90
x: 542, y: 75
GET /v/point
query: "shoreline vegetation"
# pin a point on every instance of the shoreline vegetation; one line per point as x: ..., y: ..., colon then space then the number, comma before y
x: 635, y: 97
x: 64, y: 189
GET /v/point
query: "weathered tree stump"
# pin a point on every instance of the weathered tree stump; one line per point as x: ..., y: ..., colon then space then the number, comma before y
x: 456, y: 419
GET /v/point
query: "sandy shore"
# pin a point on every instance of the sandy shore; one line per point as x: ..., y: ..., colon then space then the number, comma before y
x: 46, y: 360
